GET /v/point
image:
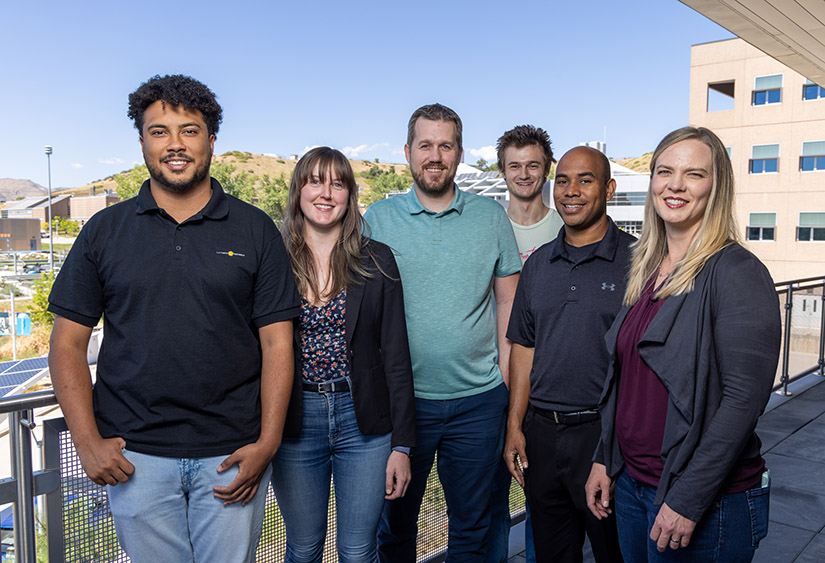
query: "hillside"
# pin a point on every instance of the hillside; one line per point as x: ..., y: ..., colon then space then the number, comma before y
x: 11, y: 189
x: 639, y: 164
x: 253, y: 164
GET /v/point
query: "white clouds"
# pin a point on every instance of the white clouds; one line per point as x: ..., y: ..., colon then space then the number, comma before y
x: 113, y: 160
x: 77, y: 165
x: 488, y: 153
x: 355, y: 152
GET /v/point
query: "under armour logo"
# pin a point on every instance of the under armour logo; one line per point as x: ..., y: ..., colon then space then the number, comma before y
x: 610, y: 286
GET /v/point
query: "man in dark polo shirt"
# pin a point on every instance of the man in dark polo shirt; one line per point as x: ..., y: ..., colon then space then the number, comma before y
x: 195, y: 371
x: 568, y: 295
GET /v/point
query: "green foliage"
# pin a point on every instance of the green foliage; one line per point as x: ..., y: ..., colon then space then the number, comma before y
x: 80, y: 522
x: 275, y: 197
x: 384, y: 184
x: 70, y: 228
x: 240, y: 185
x: 40, y: 299
x: 128, y: 183
x: 241, y: 156
x: 280, y: 161
x: 484, y: 166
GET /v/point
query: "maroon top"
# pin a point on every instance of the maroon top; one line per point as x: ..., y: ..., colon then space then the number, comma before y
x: 641, y: 407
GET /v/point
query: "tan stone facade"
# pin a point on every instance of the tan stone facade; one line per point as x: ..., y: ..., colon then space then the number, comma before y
x: 767, y: 132
x: 84, y: 207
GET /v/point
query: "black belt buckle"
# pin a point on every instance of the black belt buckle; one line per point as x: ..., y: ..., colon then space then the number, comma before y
x: 327, y: 386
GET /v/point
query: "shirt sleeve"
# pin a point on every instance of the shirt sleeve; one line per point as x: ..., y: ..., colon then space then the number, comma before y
x: 509, y: 260
x: 276, y: 297
x: 77, y: 293
x: 521, y: 328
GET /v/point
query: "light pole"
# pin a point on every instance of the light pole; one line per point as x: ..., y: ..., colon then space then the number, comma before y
x: 51, y: 240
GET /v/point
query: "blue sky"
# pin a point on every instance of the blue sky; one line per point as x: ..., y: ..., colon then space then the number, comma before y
x: 293, y: 75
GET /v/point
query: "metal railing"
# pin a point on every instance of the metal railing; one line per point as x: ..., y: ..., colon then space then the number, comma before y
x: 803, y: 333
x: 78, y: 522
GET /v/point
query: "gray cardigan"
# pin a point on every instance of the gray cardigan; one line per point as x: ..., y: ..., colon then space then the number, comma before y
x: 715, y: 350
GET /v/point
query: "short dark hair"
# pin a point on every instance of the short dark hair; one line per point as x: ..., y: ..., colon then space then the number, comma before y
x: 435, y: 112
x: 176, y: 89
x: 525, y: 136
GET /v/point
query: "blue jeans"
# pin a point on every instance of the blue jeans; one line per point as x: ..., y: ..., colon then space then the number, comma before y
x: 529, y: 548
x: 498, y: 538
x: 330, y: 445
x: 729, y: 532
x: 166, y: 511
x: 467, y: 434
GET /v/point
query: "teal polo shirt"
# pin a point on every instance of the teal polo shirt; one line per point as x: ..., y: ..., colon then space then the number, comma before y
x: 448, y: 262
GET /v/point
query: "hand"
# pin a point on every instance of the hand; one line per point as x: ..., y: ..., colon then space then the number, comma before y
x: 398, y: 475
x: 670, y: 525
x: 103, y: 461
x: 514, y: 447
x: 599, y: 491
x: 252, y: 460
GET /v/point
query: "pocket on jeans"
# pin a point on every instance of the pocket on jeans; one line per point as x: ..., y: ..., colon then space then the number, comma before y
x: 758, y: 509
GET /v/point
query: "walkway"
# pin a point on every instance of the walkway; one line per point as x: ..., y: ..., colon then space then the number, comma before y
x: 793, y: 443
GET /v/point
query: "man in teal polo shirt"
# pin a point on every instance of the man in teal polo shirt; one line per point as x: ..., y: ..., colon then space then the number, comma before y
x: 459, y: 264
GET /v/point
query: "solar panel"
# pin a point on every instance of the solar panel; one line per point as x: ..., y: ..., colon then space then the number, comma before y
x: 18, y: 372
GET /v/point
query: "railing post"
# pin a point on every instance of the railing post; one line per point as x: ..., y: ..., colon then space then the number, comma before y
x: 786, y: 346
x: 20, y: 426
x: 822, y: 332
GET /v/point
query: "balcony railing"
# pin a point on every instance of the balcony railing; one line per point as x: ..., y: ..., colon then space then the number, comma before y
x: 78, y: 523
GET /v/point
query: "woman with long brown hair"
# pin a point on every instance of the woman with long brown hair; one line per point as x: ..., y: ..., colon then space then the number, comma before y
x: 352, y: 412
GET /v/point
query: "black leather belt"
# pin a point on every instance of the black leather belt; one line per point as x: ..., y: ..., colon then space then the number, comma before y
x: 579, y: 417
x: 326, y: 386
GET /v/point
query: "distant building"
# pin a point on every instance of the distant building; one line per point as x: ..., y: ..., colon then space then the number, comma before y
x: 19, y: 234
x: 38, y: 208
x: 82, y: 208
x: 772, y: 121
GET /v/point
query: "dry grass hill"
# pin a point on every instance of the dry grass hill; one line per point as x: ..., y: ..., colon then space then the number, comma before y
x: 639, y: 164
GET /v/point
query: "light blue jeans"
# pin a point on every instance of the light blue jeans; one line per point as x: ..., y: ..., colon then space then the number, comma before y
x: 166, y: 512
x: 330, y: 445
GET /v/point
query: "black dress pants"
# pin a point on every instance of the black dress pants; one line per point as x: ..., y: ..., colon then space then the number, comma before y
x: 559, y: 458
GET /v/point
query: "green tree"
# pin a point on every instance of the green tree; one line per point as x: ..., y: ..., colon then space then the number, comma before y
x: 40, y: 299
x: 484, y: 166
x: 240, y: 185
x: 129, y: 182
x: 384, y: 184
x: 275, y: 197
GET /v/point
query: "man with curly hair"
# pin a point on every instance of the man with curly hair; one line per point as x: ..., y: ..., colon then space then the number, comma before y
x: 195, y: 371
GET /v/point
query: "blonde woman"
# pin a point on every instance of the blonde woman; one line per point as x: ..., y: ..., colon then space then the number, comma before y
x: 352, y: 411
x: 694, y: 353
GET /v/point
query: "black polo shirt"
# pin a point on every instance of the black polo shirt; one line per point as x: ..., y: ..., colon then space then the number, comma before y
x: 563, y: 309
x: 179, y: 370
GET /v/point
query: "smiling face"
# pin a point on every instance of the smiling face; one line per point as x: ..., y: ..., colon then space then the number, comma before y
x: 433, y: 155
x: 176, y: 147
x: 324, y: 200
x: 581, y: 190
x: 525, y: 171
x: 681, y: 184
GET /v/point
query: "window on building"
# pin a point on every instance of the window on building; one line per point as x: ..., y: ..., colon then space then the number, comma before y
x: 762, y: 226
x: 767, y: 90
x: 812, y: 91
x: 811, y: 226
x: 813, y: 156
x: 729, y: 151
x: 764, y: 158
x: 720, y: 95
x: 627, y: 198
x: 632, y: 227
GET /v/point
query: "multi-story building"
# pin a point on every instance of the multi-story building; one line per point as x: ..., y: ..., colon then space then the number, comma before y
x: 772, y: 120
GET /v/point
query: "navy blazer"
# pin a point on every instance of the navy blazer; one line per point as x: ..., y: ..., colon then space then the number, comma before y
x: 715, y: 349
x: 379, y: 354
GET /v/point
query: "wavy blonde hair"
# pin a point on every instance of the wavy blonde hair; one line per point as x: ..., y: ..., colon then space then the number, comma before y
x: 345, y: 261
x: 718, y: 228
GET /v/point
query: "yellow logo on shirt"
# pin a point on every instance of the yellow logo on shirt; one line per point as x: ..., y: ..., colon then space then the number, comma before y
x: 230, y: 253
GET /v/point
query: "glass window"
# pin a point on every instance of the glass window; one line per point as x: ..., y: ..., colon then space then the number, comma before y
x: 813, y: 156
x: 764, y: 158
x: 811, y: 226
x: 767, y: 90
x: 812, y: 91
x: 762, y: 226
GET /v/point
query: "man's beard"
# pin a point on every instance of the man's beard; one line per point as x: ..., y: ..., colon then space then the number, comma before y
x: 433, y: 190
x: 171, y: 183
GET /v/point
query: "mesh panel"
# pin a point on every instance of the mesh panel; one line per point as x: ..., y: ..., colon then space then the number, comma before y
x: 89, y: 533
